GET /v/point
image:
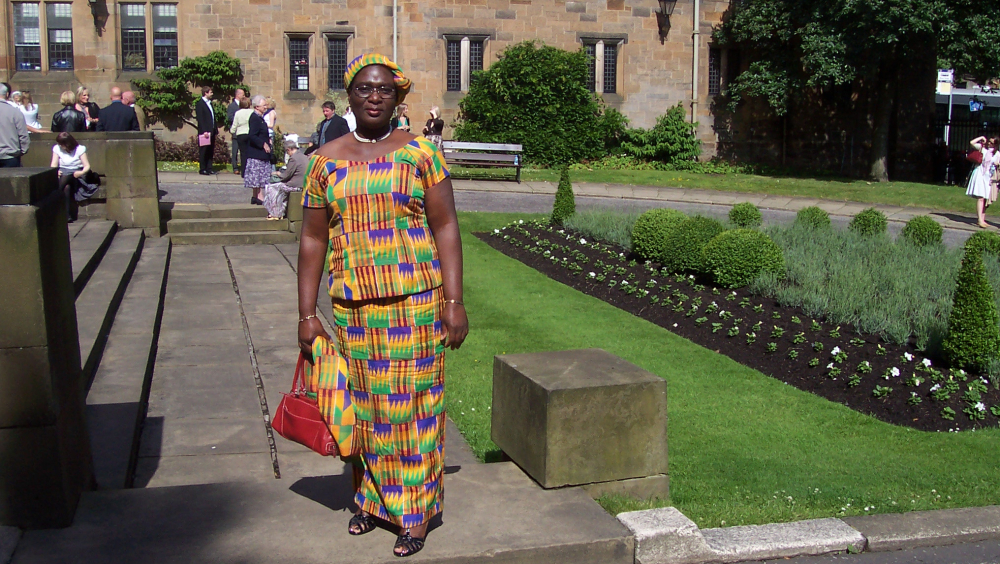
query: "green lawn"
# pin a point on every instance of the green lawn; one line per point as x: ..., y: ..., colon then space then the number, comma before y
x: 932, y: 196
x: 744, y: 448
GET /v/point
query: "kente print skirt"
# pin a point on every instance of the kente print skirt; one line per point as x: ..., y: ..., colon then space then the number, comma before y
x: 396, y: 377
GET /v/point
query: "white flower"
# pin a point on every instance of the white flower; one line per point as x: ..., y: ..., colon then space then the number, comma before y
x: 713, y: 303
x: 935, y: 387
x: 721, y: 312
x: 592, y: 274
x: 734, y: 293
x: 913, y: 394
x: 895, y: 372
x: 654, y: 282
x: 985, y: 381
x: 835, y: 351
x: 927, y: 362
x: 980, y: 406
x: 496, y: 231
x: 962, y: 372
x: 829, y: 365
x: 675, y: 325
x: 561, y: 231
x: 624, y: 282
x: 520, y: 221
x: 621, y: 254
x: 583, y: 241
x: 691, y: 277
x: 908, y: 356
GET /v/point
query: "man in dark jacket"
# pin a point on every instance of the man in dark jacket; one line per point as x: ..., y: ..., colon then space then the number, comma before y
x: 205, y: 115
x: 116, y: 116
x: 332, y: 127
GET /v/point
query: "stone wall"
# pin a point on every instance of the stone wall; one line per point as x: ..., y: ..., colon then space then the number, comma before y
x: 651, y: 76
x: 126, y: 162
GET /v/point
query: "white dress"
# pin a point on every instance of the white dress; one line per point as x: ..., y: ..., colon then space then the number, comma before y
x: 30, y: 115
x: 979, y: 181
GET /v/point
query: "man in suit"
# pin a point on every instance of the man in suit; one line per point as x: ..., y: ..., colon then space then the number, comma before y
x: 206, y: 130
x: 332, y: 127
x: 119, y: 117
x: 128, y: 98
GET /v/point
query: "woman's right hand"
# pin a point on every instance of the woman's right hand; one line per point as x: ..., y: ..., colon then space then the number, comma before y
x: 308, y: 331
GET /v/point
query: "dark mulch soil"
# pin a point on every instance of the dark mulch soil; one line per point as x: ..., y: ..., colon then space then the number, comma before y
x: 535, y: 245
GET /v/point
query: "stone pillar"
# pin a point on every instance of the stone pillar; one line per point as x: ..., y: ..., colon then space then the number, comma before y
x: 465, y: 57
x: 599, y: 68
x: 44, y: 447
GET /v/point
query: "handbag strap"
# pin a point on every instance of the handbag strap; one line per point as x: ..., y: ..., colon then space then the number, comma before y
x: 299, y: 380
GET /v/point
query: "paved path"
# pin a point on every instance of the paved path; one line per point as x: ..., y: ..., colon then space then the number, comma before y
x: 985, y: 552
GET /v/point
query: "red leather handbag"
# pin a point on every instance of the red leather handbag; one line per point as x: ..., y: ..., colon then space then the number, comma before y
x: 974, y: 157
x: 298, y: 417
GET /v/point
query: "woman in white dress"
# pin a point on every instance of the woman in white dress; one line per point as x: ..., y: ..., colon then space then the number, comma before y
x: 979, y: 181
x: 30, y: 111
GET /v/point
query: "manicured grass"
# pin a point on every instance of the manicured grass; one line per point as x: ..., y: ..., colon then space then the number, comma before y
x: 931, y: 196
x: 744, y: 448
x: 188, y: 166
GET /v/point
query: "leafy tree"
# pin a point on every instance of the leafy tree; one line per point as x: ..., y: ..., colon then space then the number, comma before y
x: 171, y: 96
x: 537, y: 96
x: 815, y: 44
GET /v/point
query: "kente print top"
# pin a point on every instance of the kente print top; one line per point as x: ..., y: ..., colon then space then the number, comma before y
x: 380, y: 243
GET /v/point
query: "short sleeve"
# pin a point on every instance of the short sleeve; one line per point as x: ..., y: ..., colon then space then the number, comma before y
x: 315, y: 185
x: 80, y: 149
x: 433, y: 169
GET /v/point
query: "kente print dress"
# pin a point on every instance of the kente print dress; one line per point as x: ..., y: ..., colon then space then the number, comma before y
x: 385, y: 281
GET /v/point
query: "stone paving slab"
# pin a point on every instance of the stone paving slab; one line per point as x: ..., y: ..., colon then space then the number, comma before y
x: 88, y: 242
x: 304, y: 521
x: 928, y: 528
x: 168, y: 471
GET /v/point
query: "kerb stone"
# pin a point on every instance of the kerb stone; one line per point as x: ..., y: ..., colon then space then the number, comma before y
x: 895, y: 531
x: 780, y: 540
x: 577, y: 417
x: 665, y: 536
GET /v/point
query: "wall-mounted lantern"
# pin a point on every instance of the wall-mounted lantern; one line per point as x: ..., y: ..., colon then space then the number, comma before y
x: 663, y: 17
x: 99, y: 9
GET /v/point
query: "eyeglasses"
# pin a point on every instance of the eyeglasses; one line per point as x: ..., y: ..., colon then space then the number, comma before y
x: 365, y: 90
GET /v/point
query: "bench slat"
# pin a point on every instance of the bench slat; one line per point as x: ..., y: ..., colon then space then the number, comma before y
x: 480, y: 146
x: 480, y: 157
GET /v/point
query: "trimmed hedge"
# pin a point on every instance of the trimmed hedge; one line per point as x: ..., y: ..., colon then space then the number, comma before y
x: 745, y: 214
x: 973, y: 336
x: 736, y: 258
x: 565, y: 203
x: 869, y: 222
x: 188, y: 151
x: 651, y: 231
x: 683, y: 249
x: 813, y: 217
x: 922, y: 230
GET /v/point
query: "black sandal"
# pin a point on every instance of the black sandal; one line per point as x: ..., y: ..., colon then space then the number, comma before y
x: 409, y: 544
x: 360, y: 524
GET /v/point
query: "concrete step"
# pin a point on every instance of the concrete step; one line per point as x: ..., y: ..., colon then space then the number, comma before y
x: 494, y: 513
x: 116, y: 403
x: 217, y: 225
x: 234, y: 238
x: 171, y: 210
x: 89, y: 240
x: 97, y: 304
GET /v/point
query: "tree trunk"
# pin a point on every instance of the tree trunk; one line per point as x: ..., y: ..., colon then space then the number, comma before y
x: 886, y: 92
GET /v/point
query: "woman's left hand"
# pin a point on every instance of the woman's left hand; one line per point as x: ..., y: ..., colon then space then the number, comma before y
x: 267, y: 147
x: 78, y: 174
x: 455, y: 325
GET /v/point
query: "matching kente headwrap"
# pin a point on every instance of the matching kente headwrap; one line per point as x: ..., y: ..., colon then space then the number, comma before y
x: 398, y: 78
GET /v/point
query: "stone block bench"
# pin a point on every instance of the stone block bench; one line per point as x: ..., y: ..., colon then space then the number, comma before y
x: 582, y: 418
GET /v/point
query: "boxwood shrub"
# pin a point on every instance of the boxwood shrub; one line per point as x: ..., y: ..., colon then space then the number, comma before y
x: 683, y: 249
x: 973, y: 336
x: 745, y: 214
x: 813, y: 217
x: 565, y: 203
x: 869, y: 222
x: 651, y: 231
x: 736, y: 258
x: 922, y: 230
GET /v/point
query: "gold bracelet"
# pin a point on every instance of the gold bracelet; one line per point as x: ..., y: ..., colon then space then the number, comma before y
x: 307, y: 318
x: 456, y: 302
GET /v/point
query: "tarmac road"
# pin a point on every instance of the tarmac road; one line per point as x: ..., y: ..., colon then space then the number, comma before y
x: 526, y: 203
x: 986, y: 552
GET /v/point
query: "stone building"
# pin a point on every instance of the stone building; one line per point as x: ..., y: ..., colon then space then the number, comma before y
x: 296, y: 50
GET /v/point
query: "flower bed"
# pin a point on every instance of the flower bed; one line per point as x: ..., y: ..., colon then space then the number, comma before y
x: 887, y: 381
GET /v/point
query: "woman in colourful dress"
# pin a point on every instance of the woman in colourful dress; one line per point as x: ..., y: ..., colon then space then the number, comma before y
x: 379, y: 209
x: 979, y: 181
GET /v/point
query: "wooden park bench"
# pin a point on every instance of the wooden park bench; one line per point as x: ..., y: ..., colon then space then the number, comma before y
x: 483, y: 154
